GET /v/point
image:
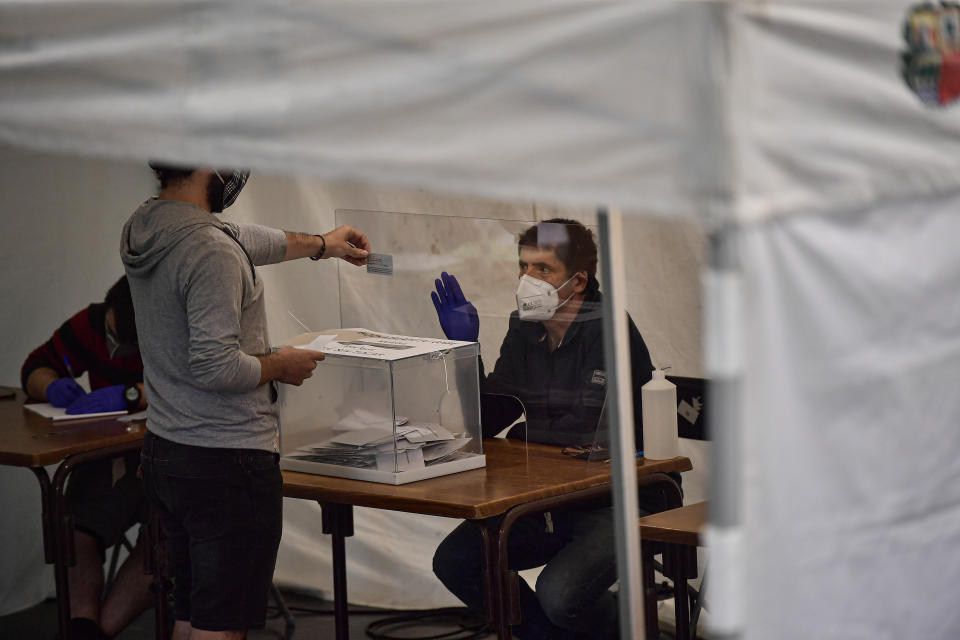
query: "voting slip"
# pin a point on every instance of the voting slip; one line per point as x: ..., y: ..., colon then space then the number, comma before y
x: 380, y: 264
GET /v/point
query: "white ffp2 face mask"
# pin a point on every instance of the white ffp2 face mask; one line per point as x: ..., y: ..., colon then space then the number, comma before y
x: 538, y: 300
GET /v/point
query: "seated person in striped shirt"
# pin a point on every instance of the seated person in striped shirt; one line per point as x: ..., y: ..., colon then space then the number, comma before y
x: 106, y: 497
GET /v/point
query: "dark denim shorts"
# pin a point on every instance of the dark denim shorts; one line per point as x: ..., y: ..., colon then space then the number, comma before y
x: 221, y: 511
x: 105, y: 498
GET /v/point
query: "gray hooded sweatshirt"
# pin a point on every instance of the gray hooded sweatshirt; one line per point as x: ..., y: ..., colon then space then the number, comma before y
x: 200, y: 323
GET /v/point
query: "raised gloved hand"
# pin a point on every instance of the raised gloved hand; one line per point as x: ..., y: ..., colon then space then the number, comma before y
x: 63, y: 391
x: 458, y: 317
x: 99, y: 401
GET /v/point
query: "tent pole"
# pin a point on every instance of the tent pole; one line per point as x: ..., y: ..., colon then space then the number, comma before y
x: 724, y: 365
x: 620, y: 420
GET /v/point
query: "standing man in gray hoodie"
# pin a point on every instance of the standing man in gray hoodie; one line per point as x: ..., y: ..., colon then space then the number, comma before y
x: 210, y: 460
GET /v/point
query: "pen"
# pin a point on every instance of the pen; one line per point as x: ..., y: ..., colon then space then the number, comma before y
x: 66, y: 361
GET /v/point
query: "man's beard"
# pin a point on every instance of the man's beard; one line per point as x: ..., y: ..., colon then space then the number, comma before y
x: 215, y: 194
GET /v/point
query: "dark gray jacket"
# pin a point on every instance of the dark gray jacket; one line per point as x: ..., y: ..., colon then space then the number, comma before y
x: 562, y: 391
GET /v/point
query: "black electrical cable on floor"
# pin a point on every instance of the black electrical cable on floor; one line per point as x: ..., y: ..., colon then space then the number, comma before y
x: 470, y: 625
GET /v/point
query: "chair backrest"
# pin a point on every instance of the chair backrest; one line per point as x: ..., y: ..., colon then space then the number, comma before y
x: 691, y: 407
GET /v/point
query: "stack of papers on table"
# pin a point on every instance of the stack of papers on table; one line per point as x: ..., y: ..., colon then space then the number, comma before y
x: 373, y: 447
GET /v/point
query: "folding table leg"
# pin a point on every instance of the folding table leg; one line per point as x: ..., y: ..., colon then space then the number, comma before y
x: 46, y: 515
x: 338, y: 522
x: 155, y: 563
x: 492, y: 594
x: 53, y: 546
x: 650, y: 590
x: 680, y: 595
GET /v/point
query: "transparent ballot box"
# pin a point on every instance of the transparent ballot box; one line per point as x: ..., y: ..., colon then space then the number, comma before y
x: 383, y: 408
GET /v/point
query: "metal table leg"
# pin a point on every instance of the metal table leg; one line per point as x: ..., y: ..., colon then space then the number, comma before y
x: 52, y: 549
x: 155, y: 563
x: 681, y: 603
x: 650, y: 617
x: 489, y: 561
x: 338, y: 522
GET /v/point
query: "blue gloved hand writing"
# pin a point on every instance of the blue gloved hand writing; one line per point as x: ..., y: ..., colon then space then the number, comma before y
x: 458, y: 318
x: 60, y: 393
x: 99, y: 401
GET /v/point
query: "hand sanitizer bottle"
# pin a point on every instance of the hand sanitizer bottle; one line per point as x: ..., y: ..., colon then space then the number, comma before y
x: 660, y: 439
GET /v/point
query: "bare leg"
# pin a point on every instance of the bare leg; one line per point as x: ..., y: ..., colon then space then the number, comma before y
x: 86, y: 578
x: 181, y: 630
x: 129, y: 595
x: 197, y: 634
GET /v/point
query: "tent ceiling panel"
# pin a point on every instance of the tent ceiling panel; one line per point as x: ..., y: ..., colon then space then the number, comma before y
x: 574, y: 101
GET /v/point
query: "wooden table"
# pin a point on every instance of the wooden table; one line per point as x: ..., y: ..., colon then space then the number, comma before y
x: 519, y: 479
x: 29, y: 440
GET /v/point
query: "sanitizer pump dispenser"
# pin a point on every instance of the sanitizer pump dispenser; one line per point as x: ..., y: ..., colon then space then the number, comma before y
x: 660, y: 440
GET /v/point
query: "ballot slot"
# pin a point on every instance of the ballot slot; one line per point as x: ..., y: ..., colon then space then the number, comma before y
x: 384, y: 408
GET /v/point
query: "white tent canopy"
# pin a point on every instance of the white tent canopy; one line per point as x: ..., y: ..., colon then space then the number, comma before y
x: 789, y: 121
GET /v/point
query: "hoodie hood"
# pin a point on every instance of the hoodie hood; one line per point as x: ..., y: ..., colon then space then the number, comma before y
x: 155, y: 228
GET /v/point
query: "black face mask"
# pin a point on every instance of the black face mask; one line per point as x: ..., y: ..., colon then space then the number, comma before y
x: 117, y: 348
x: 222, y: 192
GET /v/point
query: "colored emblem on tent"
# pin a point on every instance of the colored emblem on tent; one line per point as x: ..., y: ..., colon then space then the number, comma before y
x: 931, y: 63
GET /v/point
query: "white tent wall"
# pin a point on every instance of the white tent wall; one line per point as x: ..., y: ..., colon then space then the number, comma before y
x: 58, y: 253
x: 848, y: 190
x: 63, y: 215
x: 852, y: 475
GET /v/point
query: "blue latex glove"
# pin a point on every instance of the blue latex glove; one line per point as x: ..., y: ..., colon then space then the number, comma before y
x: 106, y: 399
x: 61, y: 392
x: 458, y: 318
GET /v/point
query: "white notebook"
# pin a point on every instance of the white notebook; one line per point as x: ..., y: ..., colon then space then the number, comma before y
x: 47, y: 410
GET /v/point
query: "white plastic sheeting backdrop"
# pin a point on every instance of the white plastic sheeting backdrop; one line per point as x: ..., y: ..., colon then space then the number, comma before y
x: 853, y: 473
x: 851, y: 334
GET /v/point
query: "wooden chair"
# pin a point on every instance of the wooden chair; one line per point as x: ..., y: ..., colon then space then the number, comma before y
x: 676, y: 534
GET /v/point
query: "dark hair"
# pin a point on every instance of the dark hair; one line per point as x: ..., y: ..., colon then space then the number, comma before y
x: 119, y: 299
x: 572, y: 243
x: 169, y: 174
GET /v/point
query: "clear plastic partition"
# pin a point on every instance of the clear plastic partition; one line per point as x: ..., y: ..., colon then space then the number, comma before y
x: 393, y: 294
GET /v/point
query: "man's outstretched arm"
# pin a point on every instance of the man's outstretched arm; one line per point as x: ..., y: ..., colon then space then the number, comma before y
x: 343, y: 242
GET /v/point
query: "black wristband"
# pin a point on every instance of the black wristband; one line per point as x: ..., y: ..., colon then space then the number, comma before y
x: 323, y: 248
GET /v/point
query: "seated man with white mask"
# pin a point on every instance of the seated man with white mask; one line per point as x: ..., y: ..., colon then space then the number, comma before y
x: 552, y: 359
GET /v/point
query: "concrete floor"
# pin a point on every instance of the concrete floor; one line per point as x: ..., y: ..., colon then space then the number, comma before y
x: 40, y: 623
